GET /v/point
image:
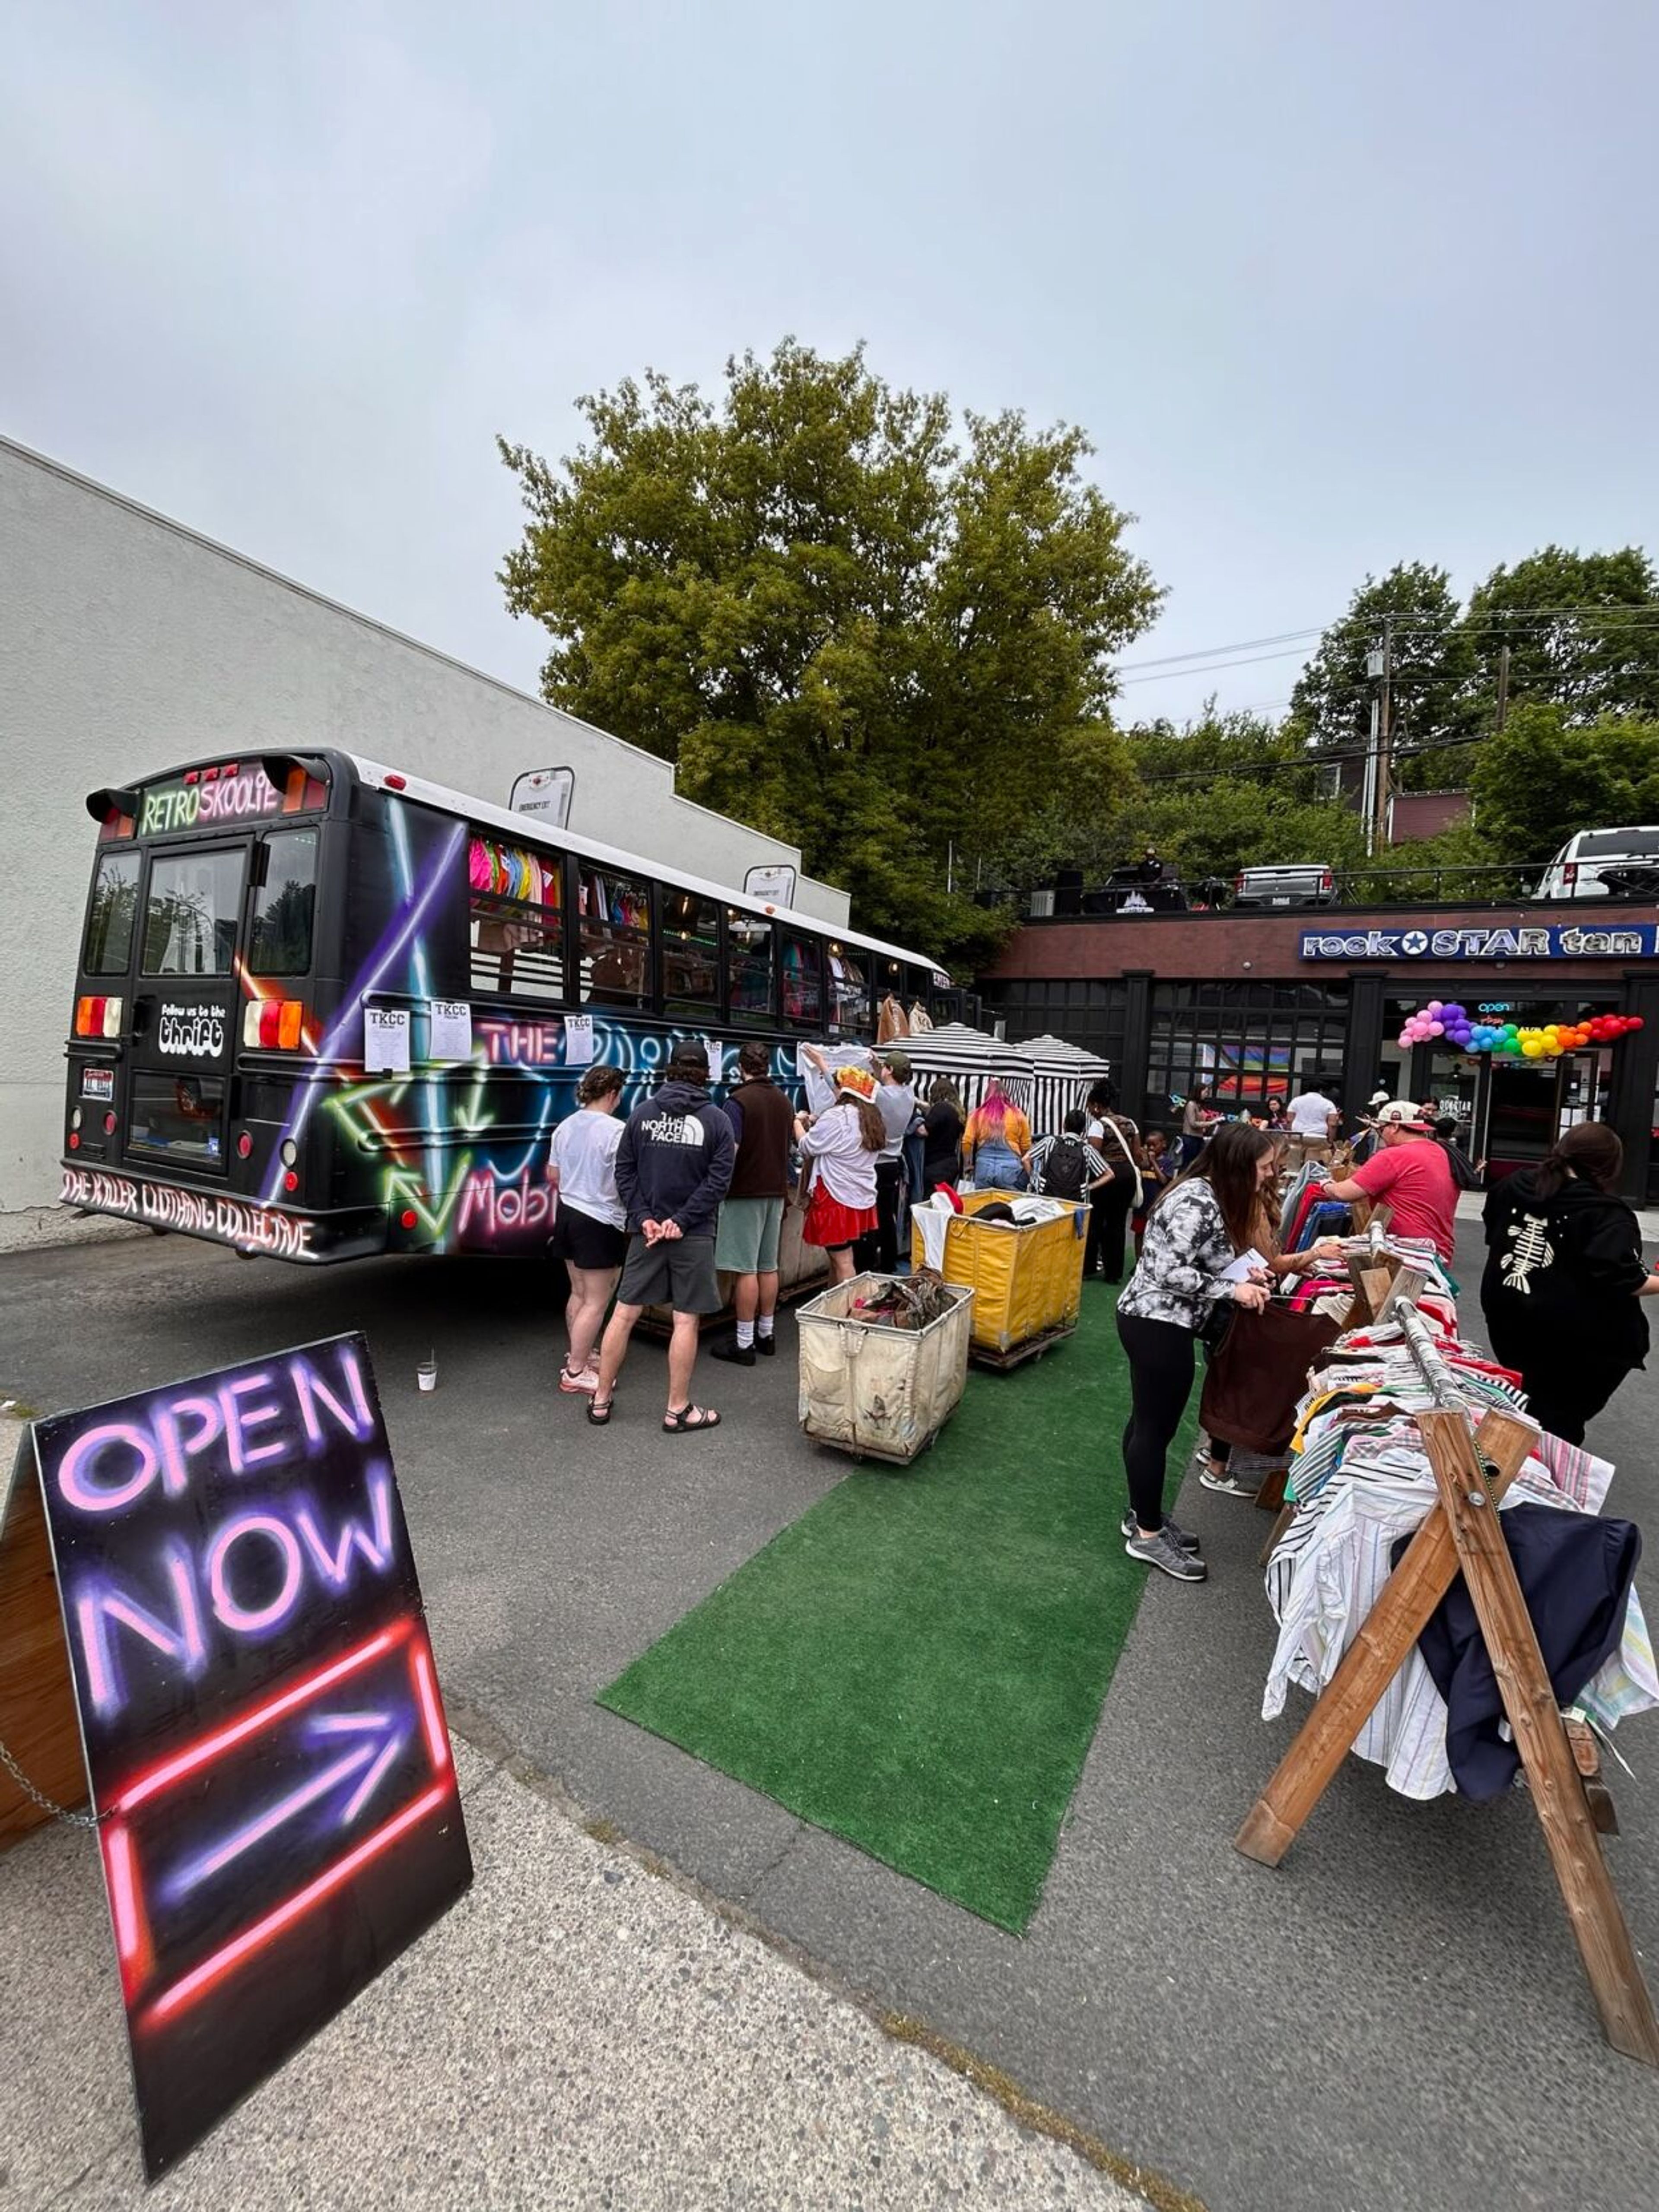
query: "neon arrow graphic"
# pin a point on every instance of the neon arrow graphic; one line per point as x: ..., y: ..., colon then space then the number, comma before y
x: 366, y: 1763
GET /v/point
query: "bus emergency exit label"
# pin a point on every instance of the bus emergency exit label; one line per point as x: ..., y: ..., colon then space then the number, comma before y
x: 265, y: 1739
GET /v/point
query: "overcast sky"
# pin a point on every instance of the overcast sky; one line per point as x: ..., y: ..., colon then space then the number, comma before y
x: 1328, y: 286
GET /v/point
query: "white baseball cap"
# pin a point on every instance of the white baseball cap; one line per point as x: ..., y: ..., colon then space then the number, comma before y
x: 1401, y: 1114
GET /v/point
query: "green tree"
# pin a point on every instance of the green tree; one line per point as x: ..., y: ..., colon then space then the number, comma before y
x: 1545, y: 777
x: 844, y: 621
x: 1582, y: 631
x: 1235, y: 790
x: 1433, y: 669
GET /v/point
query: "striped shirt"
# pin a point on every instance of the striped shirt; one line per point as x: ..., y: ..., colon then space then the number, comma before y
x: 1093, y: 1166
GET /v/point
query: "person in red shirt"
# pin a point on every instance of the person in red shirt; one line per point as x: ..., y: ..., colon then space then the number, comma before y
x: 1410, y: 1173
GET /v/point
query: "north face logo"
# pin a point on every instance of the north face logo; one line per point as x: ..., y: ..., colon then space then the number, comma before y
x: 675, y: 1129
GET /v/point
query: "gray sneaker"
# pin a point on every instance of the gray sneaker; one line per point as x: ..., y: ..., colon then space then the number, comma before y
x: 1225, y: 1485
x: 1168, y: 1558
x: 1182, y: 1539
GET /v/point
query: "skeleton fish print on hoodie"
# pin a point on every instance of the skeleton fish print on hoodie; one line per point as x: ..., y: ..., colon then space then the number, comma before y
x: 1565, y: 1271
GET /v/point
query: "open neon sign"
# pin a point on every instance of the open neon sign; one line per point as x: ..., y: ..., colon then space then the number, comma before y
x: 263, y: 1734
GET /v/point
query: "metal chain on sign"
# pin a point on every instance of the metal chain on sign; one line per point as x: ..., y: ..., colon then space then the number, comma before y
x: 48, y: 1804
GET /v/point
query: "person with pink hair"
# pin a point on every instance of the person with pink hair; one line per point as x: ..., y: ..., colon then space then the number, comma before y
x: 996, y: 1141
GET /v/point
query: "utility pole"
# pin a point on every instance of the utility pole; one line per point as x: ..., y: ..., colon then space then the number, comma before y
x: 1503, y: 686
x: 1374, y: 661
x: 1384, y: 720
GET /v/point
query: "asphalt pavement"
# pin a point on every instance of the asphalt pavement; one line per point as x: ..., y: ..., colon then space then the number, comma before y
x: 1395, y: 2018
x: 576, y: 2033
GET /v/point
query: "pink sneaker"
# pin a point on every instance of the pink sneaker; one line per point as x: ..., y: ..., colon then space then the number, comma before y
x: 582, y: 1385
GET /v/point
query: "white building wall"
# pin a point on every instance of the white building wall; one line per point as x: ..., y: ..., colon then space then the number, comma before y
x: 129, y: 644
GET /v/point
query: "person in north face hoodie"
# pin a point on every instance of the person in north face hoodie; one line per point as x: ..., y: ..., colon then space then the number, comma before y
x: 673, y: 1166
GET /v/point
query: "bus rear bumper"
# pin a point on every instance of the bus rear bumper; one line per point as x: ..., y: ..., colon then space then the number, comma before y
x: 273, y: 1232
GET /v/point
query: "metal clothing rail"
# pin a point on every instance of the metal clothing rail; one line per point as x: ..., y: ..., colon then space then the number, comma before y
x: 1473, y: 1462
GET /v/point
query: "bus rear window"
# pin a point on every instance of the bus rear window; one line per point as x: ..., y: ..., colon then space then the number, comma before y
x: 190, y: 921
x: 280, y: 941
x: 516, y: 914
x: 114, y: 908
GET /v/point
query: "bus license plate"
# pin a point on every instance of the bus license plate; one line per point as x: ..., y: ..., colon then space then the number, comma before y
x: 98, y: 1083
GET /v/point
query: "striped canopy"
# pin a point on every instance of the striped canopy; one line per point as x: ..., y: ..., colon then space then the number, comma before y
x: 1061, y: 1076
x: 970, y: 1058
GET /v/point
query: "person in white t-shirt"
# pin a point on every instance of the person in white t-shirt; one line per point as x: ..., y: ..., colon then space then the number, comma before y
x: 1313, y: 1121
x: 590, y: 1229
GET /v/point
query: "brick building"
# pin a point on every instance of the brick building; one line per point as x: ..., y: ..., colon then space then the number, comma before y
x: 1249, y: 1006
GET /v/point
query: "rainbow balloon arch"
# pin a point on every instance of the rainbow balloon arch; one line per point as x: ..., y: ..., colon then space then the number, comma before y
x: 1444, y: 1021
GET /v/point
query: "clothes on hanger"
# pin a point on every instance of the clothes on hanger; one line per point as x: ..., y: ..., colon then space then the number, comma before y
x: 1362, y: 1484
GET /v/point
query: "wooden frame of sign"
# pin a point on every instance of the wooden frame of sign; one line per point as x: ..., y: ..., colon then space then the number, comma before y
x: 38, y: 1725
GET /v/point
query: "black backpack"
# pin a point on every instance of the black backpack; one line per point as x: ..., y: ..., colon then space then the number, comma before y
x: 1065, y: 1169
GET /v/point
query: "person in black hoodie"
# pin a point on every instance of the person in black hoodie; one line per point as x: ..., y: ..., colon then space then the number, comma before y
x: 1564, y: 1273
x: 673, y: 1166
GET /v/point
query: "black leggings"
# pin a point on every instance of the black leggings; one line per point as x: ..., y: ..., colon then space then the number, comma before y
x: 1108, y: 1219
x: 1161, y: 1369
x: 878, y: 1247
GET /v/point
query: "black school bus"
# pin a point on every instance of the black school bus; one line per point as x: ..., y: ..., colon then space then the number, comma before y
x: 325, y: 1010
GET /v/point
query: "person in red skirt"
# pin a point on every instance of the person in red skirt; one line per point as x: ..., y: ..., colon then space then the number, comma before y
x: 841, y: 1146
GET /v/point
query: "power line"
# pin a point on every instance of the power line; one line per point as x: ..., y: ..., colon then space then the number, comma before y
x: 1240, y: 645
x: 1312, y: 761
x: 1289, y: 653
x: 1490, y: 623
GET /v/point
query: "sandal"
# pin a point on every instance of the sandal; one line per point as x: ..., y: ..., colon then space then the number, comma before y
x: 688, y: 1421
x: 600, y: 1414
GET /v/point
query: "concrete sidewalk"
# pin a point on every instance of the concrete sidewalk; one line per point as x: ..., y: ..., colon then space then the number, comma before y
x: 578, y: 2031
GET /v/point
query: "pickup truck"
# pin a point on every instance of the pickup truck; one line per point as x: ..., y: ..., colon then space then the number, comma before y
x: 1287, y: 883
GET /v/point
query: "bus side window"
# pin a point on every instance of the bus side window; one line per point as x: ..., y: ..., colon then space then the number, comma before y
x: 690, y: 953
x: 748, y: 965
x: 516, y: 919
x: 803, y: 986
x: 613, y: 924
x: 850, y: 1011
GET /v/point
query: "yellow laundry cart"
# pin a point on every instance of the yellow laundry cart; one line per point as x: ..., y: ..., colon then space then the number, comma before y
x: 1026, y: 1278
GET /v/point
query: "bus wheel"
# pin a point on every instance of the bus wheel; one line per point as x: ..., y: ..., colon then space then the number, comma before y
x: 156, y: 1231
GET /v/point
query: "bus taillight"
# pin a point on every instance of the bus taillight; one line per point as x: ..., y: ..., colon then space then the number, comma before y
x: 274, y: 1024
x: 99, y: 1018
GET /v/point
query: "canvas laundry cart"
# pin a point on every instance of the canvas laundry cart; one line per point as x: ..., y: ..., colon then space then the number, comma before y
x: 1027, y: 1279
x: 875, y: 1390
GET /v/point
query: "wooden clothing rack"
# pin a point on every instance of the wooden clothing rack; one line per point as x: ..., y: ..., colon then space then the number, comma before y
x: 1473, y: 1464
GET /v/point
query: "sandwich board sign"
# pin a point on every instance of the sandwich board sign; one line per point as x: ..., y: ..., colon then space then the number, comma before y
x: 244, y: 1648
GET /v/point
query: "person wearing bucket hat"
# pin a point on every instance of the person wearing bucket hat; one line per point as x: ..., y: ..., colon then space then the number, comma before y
x: 841, y: 1147
x: 1411, y: 1173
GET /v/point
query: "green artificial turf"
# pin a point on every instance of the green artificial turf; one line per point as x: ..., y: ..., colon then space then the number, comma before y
x: 918, y: 1664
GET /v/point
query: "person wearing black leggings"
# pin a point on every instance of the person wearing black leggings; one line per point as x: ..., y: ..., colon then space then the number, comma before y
x: 1110, y: 1204
x: 1195, y: 1233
